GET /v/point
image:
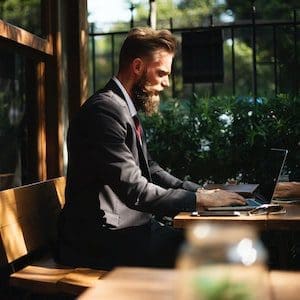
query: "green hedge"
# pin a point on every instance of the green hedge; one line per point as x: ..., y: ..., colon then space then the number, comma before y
x: 223, y: 137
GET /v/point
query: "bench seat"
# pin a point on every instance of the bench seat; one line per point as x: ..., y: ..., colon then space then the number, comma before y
x: 78, y: 280
x: 47, y: 276
x: 28, y: 226
x: 40, y: 276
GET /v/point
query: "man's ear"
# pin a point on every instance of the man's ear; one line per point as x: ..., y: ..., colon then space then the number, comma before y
x: 138, y: 66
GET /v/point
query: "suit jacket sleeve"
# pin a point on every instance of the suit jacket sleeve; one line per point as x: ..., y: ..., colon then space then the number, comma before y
x: 166, y: 180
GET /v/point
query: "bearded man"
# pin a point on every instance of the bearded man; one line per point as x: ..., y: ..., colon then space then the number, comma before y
x: 113, y: 186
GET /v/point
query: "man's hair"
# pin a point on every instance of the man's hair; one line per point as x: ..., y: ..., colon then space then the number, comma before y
x: 143, y: 42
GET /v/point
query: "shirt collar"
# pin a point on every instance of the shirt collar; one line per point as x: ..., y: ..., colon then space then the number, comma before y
x: 131, y: 107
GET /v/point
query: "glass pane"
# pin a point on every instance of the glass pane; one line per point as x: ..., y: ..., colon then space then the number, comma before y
x: 12, y: 116
x: 22, y: 13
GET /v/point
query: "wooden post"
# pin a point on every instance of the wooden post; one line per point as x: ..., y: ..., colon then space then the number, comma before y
x: 77, y: 53
x: 41, y: 129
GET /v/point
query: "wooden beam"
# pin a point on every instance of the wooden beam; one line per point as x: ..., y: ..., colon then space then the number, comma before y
x: 24, y: 38
x: 77, y: 42
x: 54, y: 91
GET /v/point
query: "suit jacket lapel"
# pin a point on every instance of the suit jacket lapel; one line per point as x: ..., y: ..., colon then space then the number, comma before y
x: 111, y: 85
x: 142, y: 149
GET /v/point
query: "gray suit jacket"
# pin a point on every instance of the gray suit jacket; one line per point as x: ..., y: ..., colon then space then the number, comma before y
x: 111, y: 179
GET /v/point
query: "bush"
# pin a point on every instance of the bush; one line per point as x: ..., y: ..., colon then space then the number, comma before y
x: 223, y: 137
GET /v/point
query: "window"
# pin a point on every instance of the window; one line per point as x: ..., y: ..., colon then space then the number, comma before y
x: 27, y: 72
x: 12, y: 117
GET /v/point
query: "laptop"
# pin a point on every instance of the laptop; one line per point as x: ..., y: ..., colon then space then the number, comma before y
x: 270, y: 170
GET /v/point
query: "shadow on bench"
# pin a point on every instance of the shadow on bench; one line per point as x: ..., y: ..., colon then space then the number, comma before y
x: 28, y: 227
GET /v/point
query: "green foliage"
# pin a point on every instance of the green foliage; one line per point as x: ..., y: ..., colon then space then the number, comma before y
x: 23, y: 13
x: 286, y: 51
x: 223, y: 137
x: 274, y: 9
x: 221, y: 289
x: 185, y: 13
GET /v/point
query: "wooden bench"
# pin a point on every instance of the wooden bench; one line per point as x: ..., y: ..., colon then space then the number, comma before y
x: 28, y: 226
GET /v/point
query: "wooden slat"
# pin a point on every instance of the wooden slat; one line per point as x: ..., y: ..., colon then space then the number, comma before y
x: 13, y: 241
x: 31, y: 200
x: 28, y: 217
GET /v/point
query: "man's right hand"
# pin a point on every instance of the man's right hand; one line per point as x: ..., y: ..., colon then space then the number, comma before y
x: 217, y: 197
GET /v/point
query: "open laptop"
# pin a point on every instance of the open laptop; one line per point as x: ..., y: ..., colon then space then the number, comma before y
x: 270, y: 168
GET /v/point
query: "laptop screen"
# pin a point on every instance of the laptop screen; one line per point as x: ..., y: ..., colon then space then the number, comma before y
x: 270, y: 170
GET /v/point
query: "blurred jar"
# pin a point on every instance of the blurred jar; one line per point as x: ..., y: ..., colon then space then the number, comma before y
x: 222, y: 262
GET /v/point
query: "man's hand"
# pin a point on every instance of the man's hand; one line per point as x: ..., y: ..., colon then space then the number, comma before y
x: 287, y: 190
x: 217, y: 197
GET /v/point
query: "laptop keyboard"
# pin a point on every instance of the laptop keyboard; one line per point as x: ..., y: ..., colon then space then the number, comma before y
x: 252, y: 202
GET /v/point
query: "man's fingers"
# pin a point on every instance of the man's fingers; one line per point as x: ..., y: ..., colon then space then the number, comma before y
x: 242, y: 202
x: 237, y: 198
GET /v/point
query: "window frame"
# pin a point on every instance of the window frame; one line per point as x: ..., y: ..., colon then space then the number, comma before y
x: 42, y: 52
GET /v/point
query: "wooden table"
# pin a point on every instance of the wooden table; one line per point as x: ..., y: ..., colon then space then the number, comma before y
x: 291, y: 219
x: 160, y: 284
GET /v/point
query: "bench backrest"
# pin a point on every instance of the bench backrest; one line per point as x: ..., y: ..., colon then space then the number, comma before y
x: 28, y: 218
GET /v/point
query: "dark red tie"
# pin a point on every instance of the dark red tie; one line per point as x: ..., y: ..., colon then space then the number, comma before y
x: 138, y: 127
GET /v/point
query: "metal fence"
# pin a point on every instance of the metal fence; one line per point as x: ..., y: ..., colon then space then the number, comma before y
x: 261, y: 58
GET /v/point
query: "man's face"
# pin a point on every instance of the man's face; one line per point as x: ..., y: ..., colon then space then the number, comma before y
x: 154, y: 79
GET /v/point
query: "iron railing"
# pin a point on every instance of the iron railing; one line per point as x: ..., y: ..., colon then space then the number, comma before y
x: 282, y: 68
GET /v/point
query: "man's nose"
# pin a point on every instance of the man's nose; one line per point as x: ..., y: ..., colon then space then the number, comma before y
x: 166, y: 82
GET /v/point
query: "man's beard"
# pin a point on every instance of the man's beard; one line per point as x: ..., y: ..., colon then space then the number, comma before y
x: 146, y: 101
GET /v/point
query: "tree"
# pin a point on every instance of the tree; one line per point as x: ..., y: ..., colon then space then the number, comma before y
x: 275, y: 11
x: 183, y: 13
x: 268, y: 10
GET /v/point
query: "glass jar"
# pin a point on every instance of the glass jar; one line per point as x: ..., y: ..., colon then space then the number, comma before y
x: 222, y: 262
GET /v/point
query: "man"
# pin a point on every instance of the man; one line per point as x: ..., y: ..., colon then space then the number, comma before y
x: 113, y: 186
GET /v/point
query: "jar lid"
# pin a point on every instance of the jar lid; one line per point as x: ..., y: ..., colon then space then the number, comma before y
x: 236, y: 244
x: 212, y: 234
